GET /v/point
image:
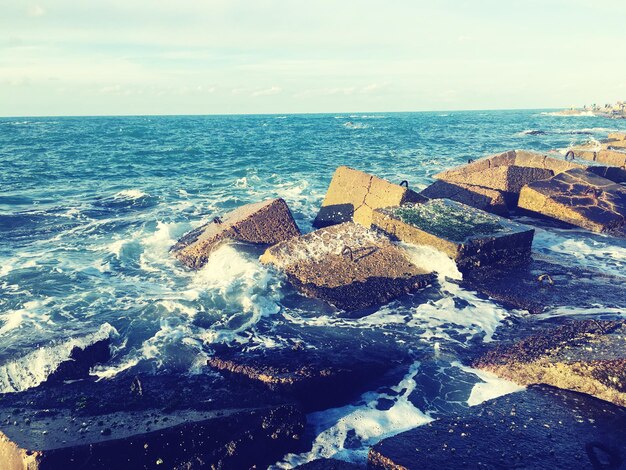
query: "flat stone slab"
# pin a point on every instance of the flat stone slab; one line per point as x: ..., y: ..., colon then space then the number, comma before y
x: 321, y: 367
x: 540, y: 428
x: 544, y: 283
x: 579, y: 198
x: 585, y: 356
x: 489, y: 200
x: 146, y: 422
x: 348, y: 266
x: 353, y: 195
x: 263, y: 223
x: 472, y: 238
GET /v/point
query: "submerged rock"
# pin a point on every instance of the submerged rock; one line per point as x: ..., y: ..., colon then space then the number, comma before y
x: 545, y: 283
x: 353, y: 195
x: 585, y: 356
x: 326, y: 366
x: 348, y: 266
x: 265, y: 223
x: 146, y: 422
x: 472, y: 238
x: 540, y: 427
x: 579, y: 198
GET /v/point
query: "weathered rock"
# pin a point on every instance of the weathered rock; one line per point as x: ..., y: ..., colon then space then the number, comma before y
x: 579, y: 198
x: 353, y: 195
x: 264, y: 223
x: 146, y: 422
x: 485, y: 199
x: 505, y: 173
x: 613, y: 173
x: 472, y: 238
x: 585, y: 356
x: 617, y: 136
x: 545, y: 283
x: 540, y: 427
x: 348, y: 266
x: 612, y: 157
x: 320, y: 367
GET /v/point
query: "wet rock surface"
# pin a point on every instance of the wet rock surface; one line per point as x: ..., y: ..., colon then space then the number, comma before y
x: 470, y: 237
x: 540, y: 427
x: 264, y: 223
x: 579, y: 198
x: 545, y: 283
x: 324, y: 366
x: 146, y: 422
x: 353, y: 195
x: 586, y: 356
x: 348, y: 266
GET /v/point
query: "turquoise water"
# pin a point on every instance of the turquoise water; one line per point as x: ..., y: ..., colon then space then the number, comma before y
x: 89, y: 207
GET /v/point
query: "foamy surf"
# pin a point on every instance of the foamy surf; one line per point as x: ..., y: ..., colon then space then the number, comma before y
x: 35, y: 367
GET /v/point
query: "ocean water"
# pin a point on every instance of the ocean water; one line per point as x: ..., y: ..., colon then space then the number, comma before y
x: 89, y: 207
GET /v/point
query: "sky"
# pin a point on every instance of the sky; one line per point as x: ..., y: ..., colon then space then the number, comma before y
x: 120, y: 57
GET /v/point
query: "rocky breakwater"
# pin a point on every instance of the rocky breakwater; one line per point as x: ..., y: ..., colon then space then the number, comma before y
x: 494, y: 183
x: 540, y: 427
x: 585, y: 356
x: 579, y: 198
x: 471, y: 237
x: 353, y: 196
x: 263, y: 223
x: 611, y: 151
x: 146, y: 421
x: 348, y: 266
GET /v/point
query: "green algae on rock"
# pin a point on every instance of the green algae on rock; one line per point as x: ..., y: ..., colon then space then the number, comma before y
x: 471, y: 237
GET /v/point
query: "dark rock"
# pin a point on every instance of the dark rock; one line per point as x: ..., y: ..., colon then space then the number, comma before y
x: 541, y: 428
x: 353, y: 195
x: 585, y: 356
x: 333, y: 365
x: 81, y: 361
x: 543, y: 283
x: 263, y: 223
x: 348, y: 266
x: 472, y: 238
x: 580, y: 198
x: 177, y: 422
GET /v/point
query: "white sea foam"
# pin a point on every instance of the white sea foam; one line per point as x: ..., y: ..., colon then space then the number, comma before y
x: 491, y: 387
x: 366, y: 423
x: 578, y: 114
x: 129, y: 194
x: 356, y: 125
x: 241, y: 287
x: 35, y: 367
x: 33, y: 311
x: 603, y: 253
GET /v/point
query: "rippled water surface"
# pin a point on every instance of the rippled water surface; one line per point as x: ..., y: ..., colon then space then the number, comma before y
x: 89, y: 208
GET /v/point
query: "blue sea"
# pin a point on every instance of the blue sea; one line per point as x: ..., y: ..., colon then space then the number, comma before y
x: 89, y: 207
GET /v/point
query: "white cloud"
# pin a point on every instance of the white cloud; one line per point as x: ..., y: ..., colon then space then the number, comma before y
x: 268, y: 91
x: 35, y: 10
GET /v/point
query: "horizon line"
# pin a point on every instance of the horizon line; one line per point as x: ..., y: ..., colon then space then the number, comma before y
x: 271, y: 114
